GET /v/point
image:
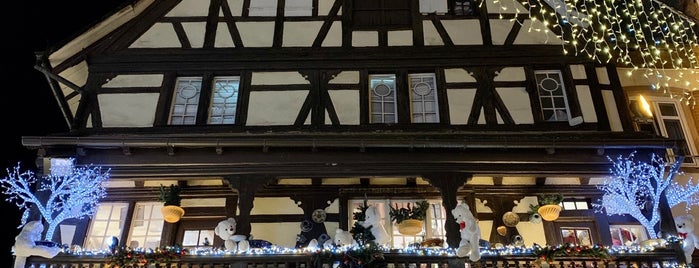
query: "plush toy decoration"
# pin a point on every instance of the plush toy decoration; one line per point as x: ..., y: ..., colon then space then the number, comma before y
x: 344, y: 238
x: 470, y: 232
x: 25, y: 244
x: 226, y: 231
x: 685, y: 229
x: 373, y: 219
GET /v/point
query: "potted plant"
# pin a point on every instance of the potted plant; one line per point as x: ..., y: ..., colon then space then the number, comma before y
x: 170, y: 196
x: 409, y: 219
x: 549, y: 206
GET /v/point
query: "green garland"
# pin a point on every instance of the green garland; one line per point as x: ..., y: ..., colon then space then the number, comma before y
x: 365, y: 256
x: 126, y: 257
x: 549, y: 253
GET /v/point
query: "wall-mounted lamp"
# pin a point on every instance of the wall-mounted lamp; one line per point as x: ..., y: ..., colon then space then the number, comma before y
x: 644, y: 106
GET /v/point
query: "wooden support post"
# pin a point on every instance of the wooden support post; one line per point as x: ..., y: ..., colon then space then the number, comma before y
x: 448, y: 186
x: 246, y: 186
x: 310, y: 204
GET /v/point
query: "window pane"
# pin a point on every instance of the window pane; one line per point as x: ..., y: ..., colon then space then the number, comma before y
x: 224, y: 100
x: 185, y: 101
x: 383, y: 92
x: 667, y: 109
x: 552, y: 96
x: 423, y: 97
x: 107, y: 222
x: 146, y: 232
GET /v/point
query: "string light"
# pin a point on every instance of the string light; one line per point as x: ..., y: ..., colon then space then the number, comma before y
x: 646, y: 36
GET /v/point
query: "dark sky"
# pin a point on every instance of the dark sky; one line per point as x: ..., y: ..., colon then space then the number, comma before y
x: 28, y: 106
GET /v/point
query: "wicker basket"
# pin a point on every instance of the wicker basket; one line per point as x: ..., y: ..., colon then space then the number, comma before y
x: 549, y: 212
x: 172, y: 214
x: 410, y: 227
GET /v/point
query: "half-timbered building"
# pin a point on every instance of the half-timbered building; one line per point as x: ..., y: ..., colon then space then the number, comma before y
x: 288, y: 114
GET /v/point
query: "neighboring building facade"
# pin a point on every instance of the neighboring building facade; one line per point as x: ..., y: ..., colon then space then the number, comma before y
x: 287, y: 114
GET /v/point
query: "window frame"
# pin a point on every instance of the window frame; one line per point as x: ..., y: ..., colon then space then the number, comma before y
x: 106, y: 236
x: 235, y: 96
x: 567, y: 95
x: 385, y: 15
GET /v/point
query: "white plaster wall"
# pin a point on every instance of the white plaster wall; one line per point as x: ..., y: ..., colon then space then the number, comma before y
x: 400, y: 38
x: 334, y: 207
x: 128, y: 110
x: 263, y: 8
x: 324, y: 7
x: 236, y: 7
x: 486, y: 227
x: 223, y: 36
x: 522, y: 206
x: 562, y: 181
x: 518, y: 180
x: 340, y: 181
x: 160, y: 35
x: 602, y: 75
x: 531, y: 233
x: 275, y: 108
x: 482, y: 206
x: 499, y: 29
x: 586, y: 104
x: 190, y: 8
x: 365, y: 38
x: 334, y: 36
x: 295, y: 181
x: 511, y: 74
x: 457, y: 75
x: 479, y: 180
x: 345, y: 77
x: 464, y: 32
x: 282, y: 234
x: 195, y: 33
x: 430, y: 34
x: 274, y: 206
x: 578, y: 71
x: 256, y: 34
x: 521, y: 111
x: 612, y: 112
x: 460, y: 102
x: 346, y: 103
x: 300, y: 33
x: 528, y: 34
x: 76, y: 74
x: 135, y: 80
x: 296, y: 8
x: 204, y: 202
x: 278, y: 78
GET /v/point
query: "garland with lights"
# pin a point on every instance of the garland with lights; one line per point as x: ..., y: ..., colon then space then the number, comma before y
x: 126, y: 257
x: 549, y: 253
x: 366, y: 256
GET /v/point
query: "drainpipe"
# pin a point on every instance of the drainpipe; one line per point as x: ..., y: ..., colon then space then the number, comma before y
x: 53, y: 80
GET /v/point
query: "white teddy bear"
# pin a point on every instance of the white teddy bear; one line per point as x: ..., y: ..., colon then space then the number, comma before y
x: 373, y: 219
x: 470, y: 232
x: 685, y: 229
x: 344, y: 238
x: 25, y: 244
x: 226, y: 231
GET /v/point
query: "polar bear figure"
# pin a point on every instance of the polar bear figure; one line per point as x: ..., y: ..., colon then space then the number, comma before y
x: 373, y: 219
x: 470, y: 232
x: 226, y: 230
x: 685, y: 230
x: 344, y: 238
x: 25, y: 244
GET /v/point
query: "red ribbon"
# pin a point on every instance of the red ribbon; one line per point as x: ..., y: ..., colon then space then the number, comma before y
x: 683, y: 235
x: 462, y: 225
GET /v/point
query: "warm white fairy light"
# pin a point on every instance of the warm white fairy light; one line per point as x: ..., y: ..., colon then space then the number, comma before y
x: 645, y: 35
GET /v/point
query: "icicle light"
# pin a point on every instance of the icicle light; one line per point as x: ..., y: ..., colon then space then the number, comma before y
x: 645, y: 35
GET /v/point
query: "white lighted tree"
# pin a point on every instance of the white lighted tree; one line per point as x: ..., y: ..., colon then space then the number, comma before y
x: 635, y: 188
x: 73, y: 193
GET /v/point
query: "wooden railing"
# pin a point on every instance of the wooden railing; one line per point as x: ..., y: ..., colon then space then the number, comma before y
x: 660, y: 258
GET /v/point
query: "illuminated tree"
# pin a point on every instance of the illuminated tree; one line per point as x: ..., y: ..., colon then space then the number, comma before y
x: 635, y: 188
x: 73, y: 193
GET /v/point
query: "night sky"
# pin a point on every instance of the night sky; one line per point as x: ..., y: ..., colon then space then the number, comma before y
x: 28, y: 106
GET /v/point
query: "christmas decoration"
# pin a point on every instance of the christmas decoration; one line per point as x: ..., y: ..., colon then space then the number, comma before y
x: 685, y: 229
x: 369, y: 255
x: 131, y: 258
x: 172, y: 212
x: 644, y: 35
x: 26, y: 244
x: 635, y: 187
x: 409, y: 219
x: 71, y: 194
x: 372, y: 222
x: 361, y: 234
x: 549, y: 253
x: 225, y: 229
x: 470, y: 232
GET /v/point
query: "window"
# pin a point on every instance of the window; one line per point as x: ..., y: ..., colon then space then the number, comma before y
x: 186, y: 101
x: 462, y: 8
x: 222, y: 105
x: 433, y: 227
x: 146, y: 226
x: 376, y: 14
x: 424, y: 107
x: 626, y: 235
x: 670, y: 122
x: 107, y: 222
x: 576, y: 235
x: 552, y: 96
x: 224, y: 100
x: 198, y: 238
x: 383, y: 98
x: 575, y: 204
x: 423, y: 97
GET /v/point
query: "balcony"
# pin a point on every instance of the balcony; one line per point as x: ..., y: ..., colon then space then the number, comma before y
x: 665, y: 257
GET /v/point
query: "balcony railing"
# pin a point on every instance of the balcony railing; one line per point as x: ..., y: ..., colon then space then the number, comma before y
x: 659, y: 258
